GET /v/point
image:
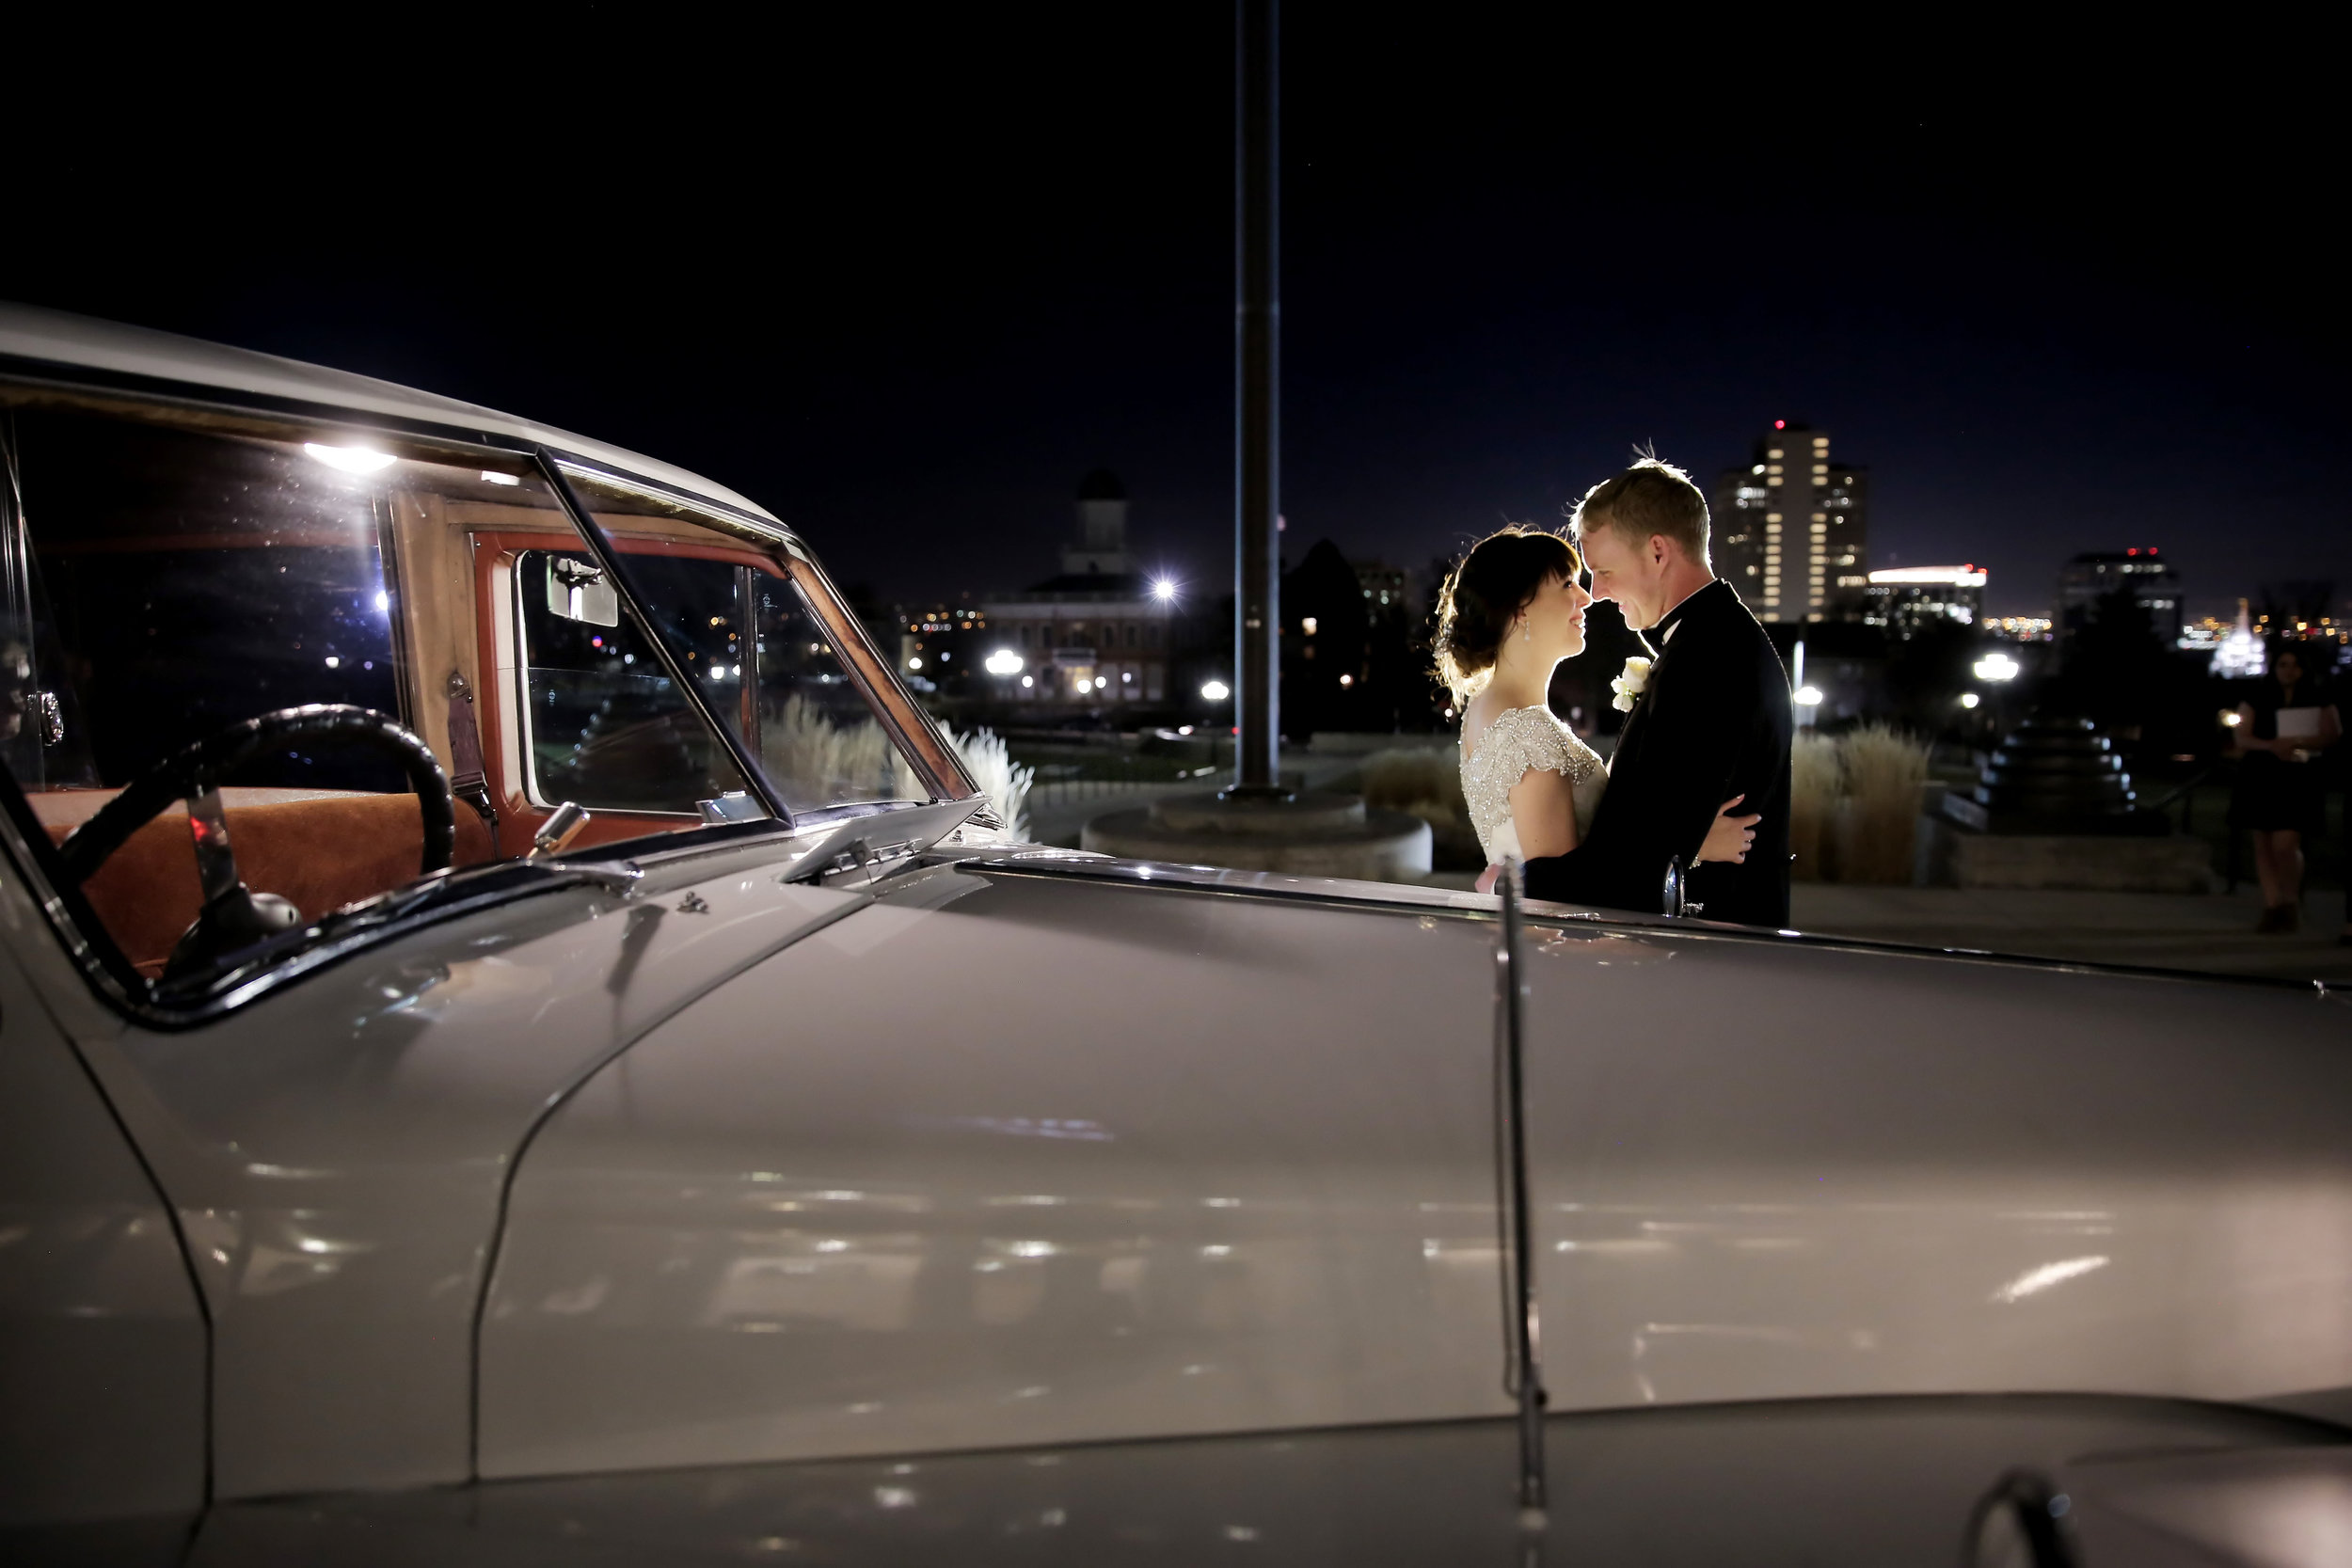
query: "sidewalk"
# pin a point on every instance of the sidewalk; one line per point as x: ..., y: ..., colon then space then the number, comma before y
x: 1057, y: 812
x: 2212, y: 932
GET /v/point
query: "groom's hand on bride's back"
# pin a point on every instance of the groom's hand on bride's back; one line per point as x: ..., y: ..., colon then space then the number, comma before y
x: 1731, y: 837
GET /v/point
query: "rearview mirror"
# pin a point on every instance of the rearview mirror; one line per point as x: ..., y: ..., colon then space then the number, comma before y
x: 579, y: 592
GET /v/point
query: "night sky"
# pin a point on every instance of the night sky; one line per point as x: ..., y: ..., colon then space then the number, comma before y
x: 903, y: 277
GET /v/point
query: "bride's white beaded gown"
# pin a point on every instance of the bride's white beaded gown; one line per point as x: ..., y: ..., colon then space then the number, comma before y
x: 1518, y: 740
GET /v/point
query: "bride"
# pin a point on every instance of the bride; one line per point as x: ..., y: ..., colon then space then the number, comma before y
x: 1511, y: 611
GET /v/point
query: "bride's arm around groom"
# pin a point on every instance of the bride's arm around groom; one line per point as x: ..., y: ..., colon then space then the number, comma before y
x: 1709, y: 719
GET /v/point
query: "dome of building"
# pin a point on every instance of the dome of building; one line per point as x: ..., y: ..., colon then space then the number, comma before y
x: 1101, y: 486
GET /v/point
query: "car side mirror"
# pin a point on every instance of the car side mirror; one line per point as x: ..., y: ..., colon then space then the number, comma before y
x: 579, y: 592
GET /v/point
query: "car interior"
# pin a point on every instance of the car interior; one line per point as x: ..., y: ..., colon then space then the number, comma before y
x: 170, y: 583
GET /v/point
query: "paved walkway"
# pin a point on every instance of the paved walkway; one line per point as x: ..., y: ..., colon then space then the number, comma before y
x: 2214, y: 932
x: 1058, y: 812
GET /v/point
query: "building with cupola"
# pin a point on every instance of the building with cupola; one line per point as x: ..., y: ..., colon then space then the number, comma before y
x: 1098, y: 632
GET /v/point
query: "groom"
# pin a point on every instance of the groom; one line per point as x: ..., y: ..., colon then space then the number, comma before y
x: 1711, y: 720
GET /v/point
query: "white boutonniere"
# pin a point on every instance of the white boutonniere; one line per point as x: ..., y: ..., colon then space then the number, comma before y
x: 1631, y: 685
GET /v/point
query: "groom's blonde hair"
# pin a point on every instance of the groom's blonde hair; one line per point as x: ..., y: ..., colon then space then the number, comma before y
x: 1648, y: 499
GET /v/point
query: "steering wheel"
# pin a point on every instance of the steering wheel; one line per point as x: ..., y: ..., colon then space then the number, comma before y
x: 234, y: 915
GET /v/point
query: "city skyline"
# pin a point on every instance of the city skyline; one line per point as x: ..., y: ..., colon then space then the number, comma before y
x: 1738, y: 523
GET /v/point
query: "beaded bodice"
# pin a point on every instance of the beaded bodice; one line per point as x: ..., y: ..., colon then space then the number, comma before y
x: 1519, y: 739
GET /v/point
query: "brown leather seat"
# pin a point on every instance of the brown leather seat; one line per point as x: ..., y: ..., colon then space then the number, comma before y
x: 321, y: 849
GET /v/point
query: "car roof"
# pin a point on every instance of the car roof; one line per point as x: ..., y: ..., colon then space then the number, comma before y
x: 60, y: 338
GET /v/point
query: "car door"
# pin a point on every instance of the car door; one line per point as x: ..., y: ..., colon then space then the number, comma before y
x: 102, y: 1342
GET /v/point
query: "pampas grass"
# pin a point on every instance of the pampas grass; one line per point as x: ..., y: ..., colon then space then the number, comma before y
x: 1878, y: 818
x: 806, y: 751
x: 1813, y: 788
x: 1854, y: 805
x: 815, y: 759
x: 1005, y: 782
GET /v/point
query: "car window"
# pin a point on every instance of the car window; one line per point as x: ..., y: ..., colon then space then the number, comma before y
x: 745, y: 633
x: 605, y: 725
x: 163, y: 583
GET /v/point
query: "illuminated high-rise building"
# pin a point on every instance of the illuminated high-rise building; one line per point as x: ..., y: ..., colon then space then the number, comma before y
x: 1791, y: 528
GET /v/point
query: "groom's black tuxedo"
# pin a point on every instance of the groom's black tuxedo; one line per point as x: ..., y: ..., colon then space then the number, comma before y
x: 1713, y: 722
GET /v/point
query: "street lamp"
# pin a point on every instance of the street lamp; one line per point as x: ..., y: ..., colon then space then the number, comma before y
x: 1216, y: 691
x: 1164, y: 590
x: 1997, y: 667
x: 1808, y: 696
x: 1004, y: 661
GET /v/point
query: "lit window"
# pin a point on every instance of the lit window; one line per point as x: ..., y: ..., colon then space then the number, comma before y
x: 1773, y: 454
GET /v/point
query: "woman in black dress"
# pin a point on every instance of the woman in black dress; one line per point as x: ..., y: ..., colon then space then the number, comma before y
x: 2279, y: 795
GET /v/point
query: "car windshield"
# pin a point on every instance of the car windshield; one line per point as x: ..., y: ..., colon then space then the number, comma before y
x: 787, y: 677
x: 270, y: 638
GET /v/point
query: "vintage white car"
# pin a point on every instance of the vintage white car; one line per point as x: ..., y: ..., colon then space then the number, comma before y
x: 519, y: 1041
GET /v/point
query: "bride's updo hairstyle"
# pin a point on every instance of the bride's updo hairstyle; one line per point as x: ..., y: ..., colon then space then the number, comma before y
x: 1500, y: 576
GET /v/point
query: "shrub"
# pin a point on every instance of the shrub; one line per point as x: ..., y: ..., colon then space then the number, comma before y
x: 1854, y: 805
x: 1426, y: 782
x: 1878, y: 818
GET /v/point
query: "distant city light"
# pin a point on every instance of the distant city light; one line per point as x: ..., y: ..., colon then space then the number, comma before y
x: 1969, y: 699
x: 351, y: 460
x: 1028, y: 680
x: 1997, y: 667
x: 1164, y: 590
x: 1808, y: 696
x: 383, y: 602
x: 1780, y: 424
x: 1101, y: 682
x: 2232, y: 718
x: 1216, y: 691
x: 1004, y: 661
x: 916, y: 663
x: 1950, y: 577
x: 332, y: 662
x: 1307, y: 624
x: 1347, y: 681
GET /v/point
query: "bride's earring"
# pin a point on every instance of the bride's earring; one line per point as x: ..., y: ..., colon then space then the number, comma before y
x: 1527, y: 633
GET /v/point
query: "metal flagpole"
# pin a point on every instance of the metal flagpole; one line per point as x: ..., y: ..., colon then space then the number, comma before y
x: 1257, y: 375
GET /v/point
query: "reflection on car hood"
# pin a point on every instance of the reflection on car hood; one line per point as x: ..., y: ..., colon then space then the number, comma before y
x: 339, y: 1151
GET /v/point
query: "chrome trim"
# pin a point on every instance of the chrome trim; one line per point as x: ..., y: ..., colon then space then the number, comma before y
x: 1403, y: 898
x: 1523, y: 1374
x: 755, y: 531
